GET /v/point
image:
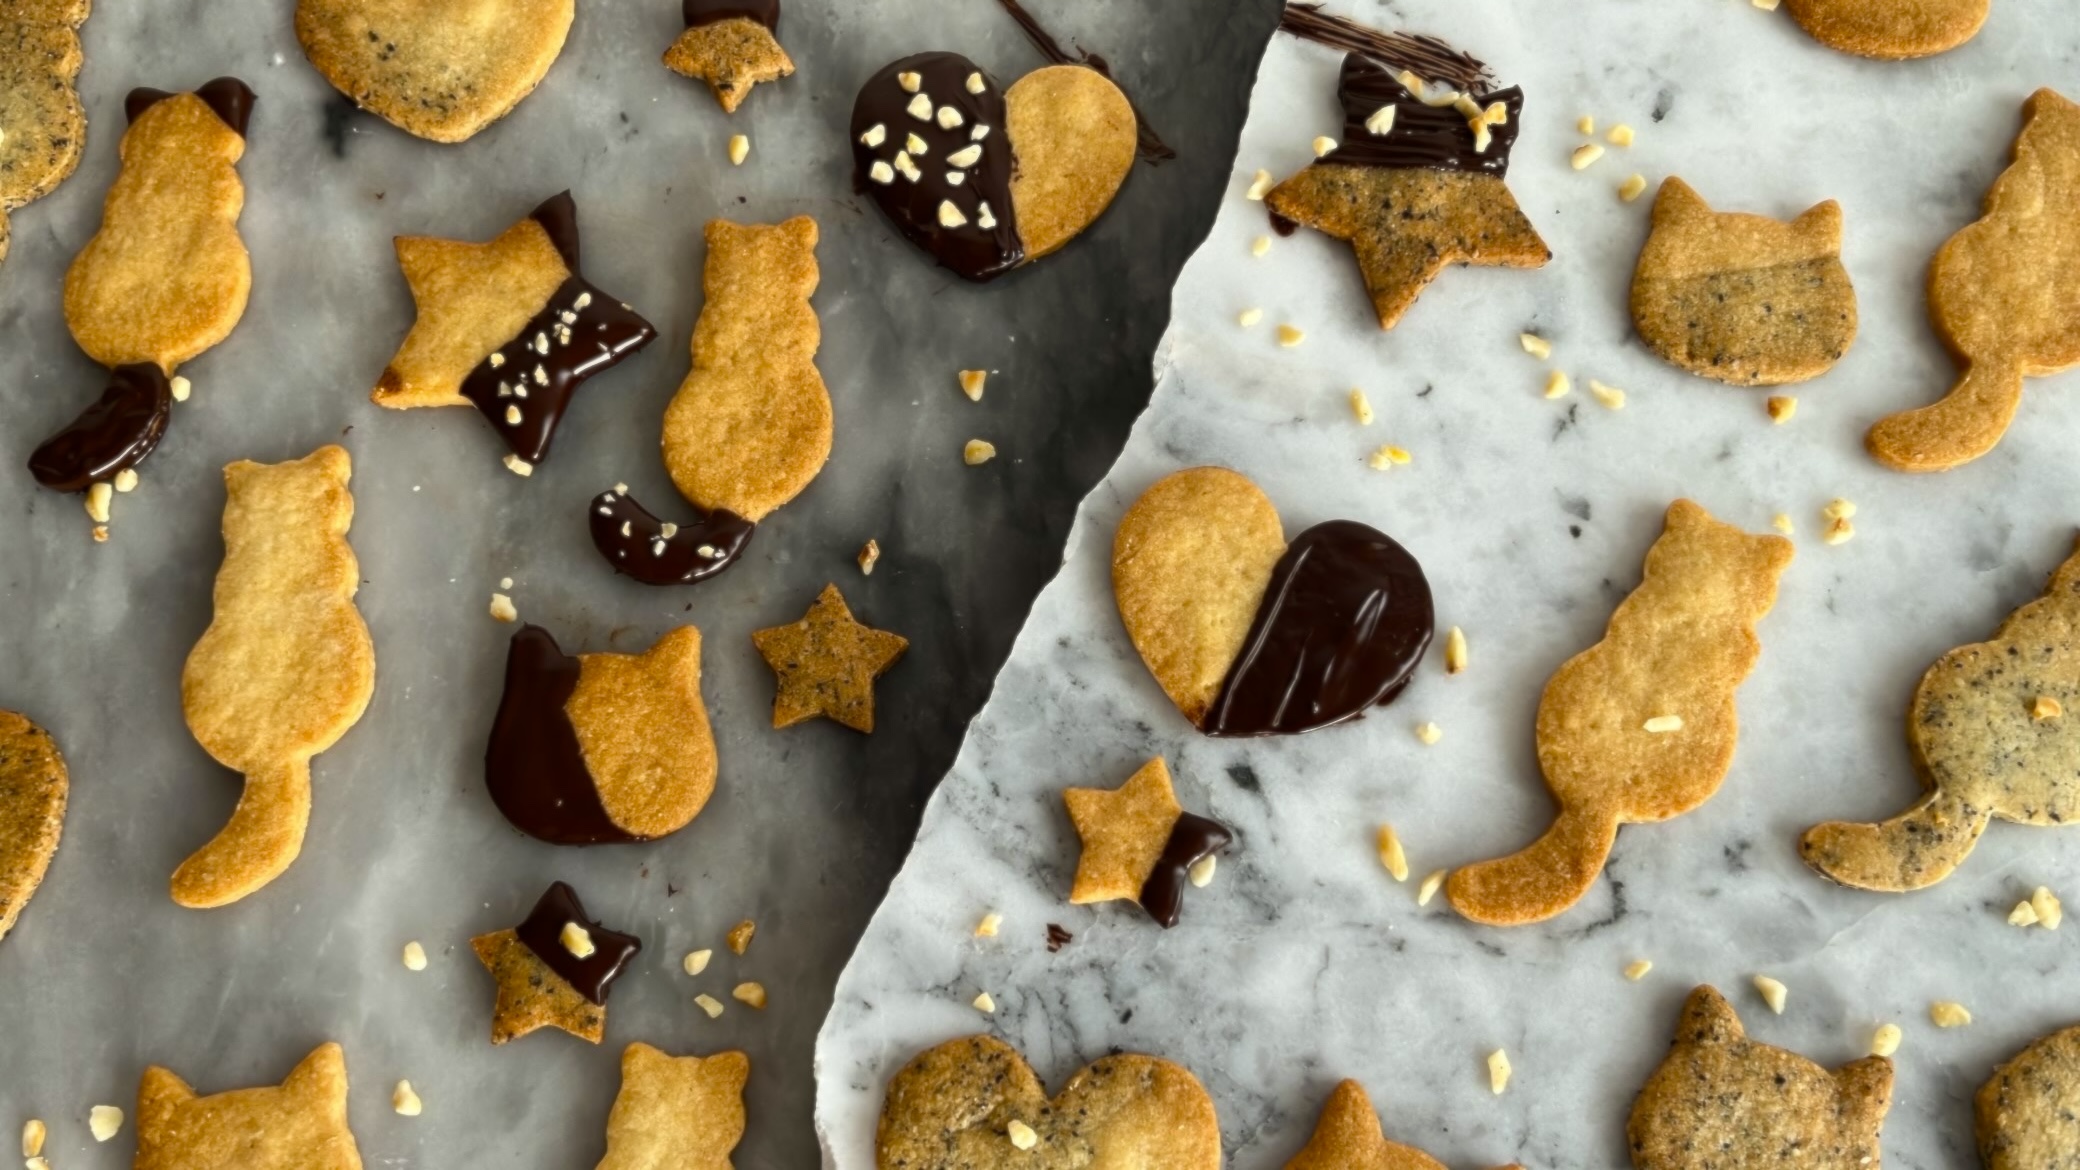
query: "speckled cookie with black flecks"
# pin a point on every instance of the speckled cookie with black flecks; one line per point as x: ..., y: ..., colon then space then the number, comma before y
x: 2029, y: 1111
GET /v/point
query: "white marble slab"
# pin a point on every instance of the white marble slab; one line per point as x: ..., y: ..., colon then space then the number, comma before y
x: 1304, y: 963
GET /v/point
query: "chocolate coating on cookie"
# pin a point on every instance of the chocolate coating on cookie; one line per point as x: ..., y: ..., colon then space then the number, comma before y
x: 1343, y: 623
x: 117, y: 431
x: 700, y: 12
x: 656, y: 552
x: 591, y: 975
x: 534, y: 767
x: 1421, y: 135
x: 953, y: 197
x: 227, y: 97
x: 1192, y: 839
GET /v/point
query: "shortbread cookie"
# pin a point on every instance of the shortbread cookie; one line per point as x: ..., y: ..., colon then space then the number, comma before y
x: 1743, y: 298
x: 33, y: 787
x: 1416, y: 183
x: 1992, y: 730
x: 730, y: 44
x: 676, y: 1112
x: 1892, y: 30
x: 284, y: 669
x: 1251, y: 636
x: 974, y: 1104
x: 601, y: 747
x: 45, y: 125
x: 659, y: 552
x: 2029, y: 1111
x: 2005, y: 295
x: 300, y: 1124
x: 510, y: 327
x: 985, y: 179
x: 554, y: 969
x: 751, y: 424
x: 826, y: 664
x: 1721, y: 1101
x: 1348, y: 1137
x: 1139, y: 843
x: 440, y: 69
x: 1640, y: 727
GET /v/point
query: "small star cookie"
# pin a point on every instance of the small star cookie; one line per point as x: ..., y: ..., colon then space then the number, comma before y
x: 1139, y: 843
x: 826, y: 664
x: 554, y: 969
x: 33, y: 786
x: 300, y: 1124
x: 732, y: 45
x: 1348, y: 1137
x: 676, y: 1112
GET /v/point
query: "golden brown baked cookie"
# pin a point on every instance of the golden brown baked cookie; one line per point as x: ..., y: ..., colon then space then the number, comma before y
x: 732, y: 45
x: 300, y: 1124
x: 974, y: 1104
x: 1892, y: 30
x: 1721, y: 1101
x: 2029, y: 1110
x: 554, y: 969
x: 826, y: 664
x: 676, y: 1112
x: 1741, y: 298
x: 1640, y: 727
x: 33, y: 788
x: 1993, y: 737
x: 46, y: 127
x: 284, y: 669
x: 1139, y: 843
x: 440, y: 69
x: 1348, y: 1137
x: 2005, y: 295
x: 1075, y: 134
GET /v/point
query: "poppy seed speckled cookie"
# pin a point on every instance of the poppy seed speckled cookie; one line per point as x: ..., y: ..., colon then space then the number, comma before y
x: 440, y: 69
x: 2029, y: 1110
x: 46, y: 126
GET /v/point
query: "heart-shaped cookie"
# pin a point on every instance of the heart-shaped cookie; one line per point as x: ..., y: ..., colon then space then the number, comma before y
x: 985, y: 179
x: 974, y: 1104
x: 1249, y: 635
x: 440, y: 69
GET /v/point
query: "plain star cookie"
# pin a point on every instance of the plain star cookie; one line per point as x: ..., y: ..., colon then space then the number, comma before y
x: 732, y: 45
x: 2005, y: 295
x: 33, y: 788
x: 1993, y: 740
x: 440, y: 69
x: 1348, y: 1137
x: 601, y: 747
x: 1721, y: 1101
x: 1891, y: 30
x: 1640, y: 727
x: 676, y: 1112
x: 300, y: 1124
x: 826, y: 664
x: 284, y: 669
x: 39, y: 105
x: 1139, y: 843
x: 974, y: 1104
x: 554, y: 969
x: 2029, y: 1111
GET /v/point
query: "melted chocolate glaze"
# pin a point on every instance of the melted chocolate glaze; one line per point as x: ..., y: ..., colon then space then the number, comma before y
x: 1192, y: 839
x: 1057, y: 937
x: 592, y: 975
x: 700, y: 12
x: 227, y: 97
x: 533, y: 766
x: 969, y: 249
x: 1422, y: 136
x: 1146, y: 143
x: 1428, y: 57
x: 117, y: 431
x: 637, y: 544
x: 1341, y: 628
x: 524, y: 387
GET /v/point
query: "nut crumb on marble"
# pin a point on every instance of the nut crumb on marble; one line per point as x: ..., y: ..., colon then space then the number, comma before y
x: 1839, y: 531
x: 1391, y: 854
x: 414, y: 956
x: 1885, y: 1041
x: 1781, y: 408
x: 1259, y: 186
x: 1290, y: 335
x: 909, y: 80
x: 1201, y: 873
x: 1773, y: 993
x: 1637, y: 969
x: 1557, y: 384
x: 978, y: 451
x: 1663, y: 724
x: 1782, y: 523
x: 751, y: 994
x: 38, y: 1163
x: 1620, y: 135
x: 1428, y: 732
x: 181, y: 388
x: 1323, y: 144
x: 405, y: 1100
x: 1535, y: 345
x: 972, y: 382
x: 1586, y: 124
x: 1432, y: 882
x: 100, y: 532
x: 1248, y: 317
x: 739, y: 149
x: 739, y: 936
x: 709, y: 1004
x: 869, y: 553
x: 1945, y: 1013
x: 98, y: 497
x: 1634, y: 186
x: 518, y: 466
x: 1260, y: 246
x: 126, y: 480
x: 696, y: 962
x: 1839, y: 509
x: 1361, y: 407
x: 2046, y: 707
x: 1456, y: 657
x: 1765, y: 5
x: 1585, y: 156
x: 104, y: 1122
x: 2050, y: 913
x: 1610, y: 396
x: 987, y: 928
x: 577, y: 940
x: 985, y: 1003
x: 1022, y: 1135
x: 503, y: 609
x: 33, y: 1133
x: 1498, y: 1071
x: 2023, y: 914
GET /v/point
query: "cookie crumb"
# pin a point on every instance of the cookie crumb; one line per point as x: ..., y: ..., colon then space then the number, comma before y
x: 2023, y: 914
x: 1498, y: 1071
x: 987, y: 928
x: 1201, y: 873
x: 1429, y: 732
x: 696, y: 962
x: 985, y: 1004
x: 1885, y: 1041
x: 1361, y: 407
x: 1259, y: 187
x: 1781, y: 408
x: 1290, y: 336
x: 100, y: 532
x: 2046, y: 707
x: 1432, y: 882
x: 1773, y: 993
x: 1839, y: 531
x: 1260, y: 245
x: 1782, y: 523
x: 752, y: 994
x: 1249, y: 317
x: 1391, y: 854
x: 1663, y: 724
x: 405, y: 1101
x: 33, y: 1133
x: 1634, y: 186
x: 1535, y: 345
x: 2049, y: 912
x: 1021, y: 1135
x: 1620, y: 135
x: 1946, y: 1013
x: 1637, y: 969
x: 709, y: 1004
x: 181, y: 388
x: 978, y: 451
x: 1323, y: 144
x: 972, y: 382
x: 98, y: 496
x: 739, y: 149
x: 739, y: 936
x: 1557, y: 384
x: 414, y: 956
x: 126, y: 480
x: 1610, y: 396
x: 1586, y: 124
x: 869, y: 553
x: 1455, y: 657
x: 1585, y: 156
x: 577, y: 940
x: 507, y: 582
x: 1381, y: 459
x: 518, y: 466
x: 37, y: 1164
x: 502, y: 608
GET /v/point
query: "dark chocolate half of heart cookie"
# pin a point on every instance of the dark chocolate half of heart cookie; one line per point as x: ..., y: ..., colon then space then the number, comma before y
x: 534, y: 767
x: 928, y: 143
x: 659, y: 552
x: 1341, y: 628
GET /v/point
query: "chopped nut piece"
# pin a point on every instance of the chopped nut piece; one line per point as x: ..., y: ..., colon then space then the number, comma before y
x: 1535, y: 345
x: 1432, y: 882
x: 739, y: 936
x: 1361, y: 407
x: 1249, y: 317
x: 920, y: 108
x: 978, y: 451
x: 1620, y: 135
x: 1260, y: 245
x: 518, y: 466
x: 914, y: 146
x: 101, y: 534
x: 126, y: 480
x: 1663, y: 724
x: 37, y: 1164
x: 972, y: 382
x: 1323, y: 144
x: 1839, y: 531
x: 2049, y: 911
x: 1765, y: 5
x: 1781, y: 408
x: 1586, y: 124
x: 696, y: 962
x: 949, y: 215
x: 1773, y: 993
x: 405, y: 1101
x: 909, y: 81
x: 1838, y: 509
x: 1585, y: 156
x: 181, y: 388
x: 985, y: 1004
x: 709, y: 1004
x: 975, y: 84
x: 1634, y: 186
x: 875, y: 135
x: 98, y: 497
x: 502, y: 608
x: 1782, y: 523
x: 869, y: 553
x: 2046, y: 707
x: 1429, y: 733
x: 1379, y: 460
x: 966, y: 156
x: 1391, y: 854
x: 1637, y: 969
x: 2023, y: 914
x: 104, y: 1122
x: 1201, y: 873
x: 752, y: 994
x: 1380, y: 121
x: 513, y: 416
x: 739, y: 149
x: 1885, y: 1041
x: 987, y: 928
x: 948, y: 118
x: 1021, y: 1135
x: 33, y: 1133
x: 1557, y: 384
x: 1610, y: 396
x: 414, y: 956
x: 1946, y: 1013
x: 1290, y: 336
x: 1455, y: 658
x: 577, y: 940
x: 1259, y: 186
x: 1498, y: 1071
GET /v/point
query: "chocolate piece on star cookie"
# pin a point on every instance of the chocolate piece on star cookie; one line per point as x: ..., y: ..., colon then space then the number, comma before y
x: 1139, y: 843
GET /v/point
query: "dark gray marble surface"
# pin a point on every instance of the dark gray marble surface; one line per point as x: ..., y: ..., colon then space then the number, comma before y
x: 104, y: 974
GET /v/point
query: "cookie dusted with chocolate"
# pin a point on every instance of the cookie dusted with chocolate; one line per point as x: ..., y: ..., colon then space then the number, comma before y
x: 1140, y: 845
x: 1416, y: 183
x: 510, y: 326
x: 732, y: 45
x: 985, y: 179
x: 554, y: 969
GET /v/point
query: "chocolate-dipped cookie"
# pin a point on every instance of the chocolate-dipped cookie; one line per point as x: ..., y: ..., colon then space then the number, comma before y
x: 732, y: 45
x: 554, y: 969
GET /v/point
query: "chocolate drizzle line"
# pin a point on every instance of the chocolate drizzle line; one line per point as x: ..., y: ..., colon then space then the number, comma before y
x: 1057, y: 937
x: 1428, y: 57
x: 525, y: 385
x: 1192, y: 840
x: 228, y: 97
x: 592, y: 975
x: 700, y: 12
x: 1150, y: 147
x: 1342, y: 626
x: 533, y: 766
x: 1422, y: 136
x: 117, y: 431
x: 640, y: 545
x: 980, y: 246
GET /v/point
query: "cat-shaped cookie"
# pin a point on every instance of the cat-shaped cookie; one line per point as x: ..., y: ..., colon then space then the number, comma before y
x: 46, y: 126
x: 1741, y: 298
x: 300, y: 1124
x: 1993, y: 735
x: 1640, y: 727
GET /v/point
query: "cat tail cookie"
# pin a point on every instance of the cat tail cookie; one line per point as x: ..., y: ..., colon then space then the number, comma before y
x: 1544, y: 878
x: 1912, y: 851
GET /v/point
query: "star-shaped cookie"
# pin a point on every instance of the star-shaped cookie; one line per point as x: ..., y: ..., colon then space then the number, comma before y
x: 1139, y: 843
x: 676, y: 1112
x: 300, y: 1124
x: 826, y: 664
x: 554, y: 969
x: 732, y: 45
x: 1348, y: 1137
